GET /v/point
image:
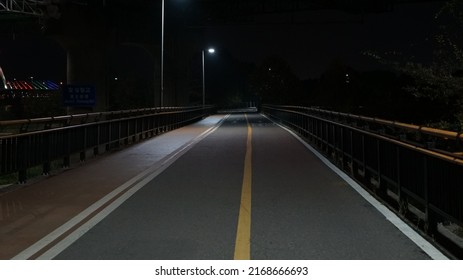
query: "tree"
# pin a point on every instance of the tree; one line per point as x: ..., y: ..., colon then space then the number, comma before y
x: 440, y: 81
x: 274, y: 82
x: 338, y: 88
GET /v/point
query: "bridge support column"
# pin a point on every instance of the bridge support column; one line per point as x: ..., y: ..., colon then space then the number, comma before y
x: 86, y: 65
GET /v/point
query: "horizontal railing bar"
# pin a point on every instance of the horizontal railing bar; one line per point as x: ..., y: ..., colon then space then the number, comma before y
x: 445, y: 157
x: 100, y: 115
x: 411, y: 127
x: 26, y: 149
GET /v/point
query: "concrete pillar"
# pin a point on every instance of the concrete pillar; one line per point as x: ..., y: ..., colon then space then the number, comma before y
x: 86, y: 65
x: 84, y: 33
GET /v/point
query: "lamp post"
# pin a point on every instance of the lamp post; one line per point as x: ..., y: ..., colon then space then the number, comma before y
x: 211, y: 51
x: 3, y: 78
x: 162, y: 55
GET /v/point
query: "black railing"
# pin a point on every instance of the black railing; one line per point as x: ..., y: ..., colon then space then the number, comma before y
x: 411, y: 177
x: 441, y: 141
x: 38, y: 142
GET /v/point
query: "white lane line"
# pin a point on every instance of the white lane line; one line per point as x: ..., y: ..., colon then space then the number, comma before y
x: 427, y: 247
x: 134, y: 184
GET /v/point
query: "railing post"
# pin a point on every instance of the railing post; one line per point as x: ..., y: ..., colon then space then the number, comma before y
x: 83, y: 155
x: 22, y: 153
x: 352, y: 162
x: 341, y: 147
x: 363, y: 156
x: 47, y: 145
x: 108, y: 141
x: 96, y: 148
x: 403, y: 201
x: 381, y: 187
x: 66, y: 144
x: 430, y: 223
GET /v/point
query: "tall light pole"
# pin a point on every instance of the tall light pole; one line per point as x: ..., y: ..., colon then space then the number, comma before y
x: 3, y: 78
x: 211, y: 51
x: 162, y: 54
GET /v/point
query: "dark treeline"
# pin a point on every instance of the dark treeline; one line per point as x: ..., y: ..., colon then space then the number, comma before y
x: 376, y: 93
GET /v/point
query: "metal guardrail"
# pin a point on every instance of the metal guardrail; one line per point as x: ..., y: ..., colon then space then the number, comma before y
x: 441, y: 141
x: 410, y: 177
x: 29, y: 143
x: 29, y: 125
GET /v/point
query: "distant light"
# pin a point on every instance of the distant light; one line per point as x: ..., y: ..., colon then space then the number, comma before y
x: 211, y: 50
x: 269, y: 69
x: 115, y: 78
x: 60, y: 83
x: 347, y: 75
x: 32, y: 78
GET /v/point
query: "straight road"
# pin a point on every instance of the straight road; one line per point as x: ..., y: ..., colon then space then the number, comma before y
x: 248, y: 190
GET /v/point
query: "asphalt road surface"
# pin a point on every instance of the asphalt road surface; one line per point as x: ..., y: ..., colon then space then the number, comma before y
x: 298, y: 208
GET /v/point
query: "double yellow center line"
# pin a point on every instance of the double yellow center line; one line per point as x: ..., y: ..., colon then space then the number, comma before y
x: 243, y: 234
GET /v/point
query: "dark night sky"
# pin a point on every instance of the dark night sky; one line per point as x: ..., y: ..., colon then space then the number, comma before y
x: 32, y: 57
x: 308, y: 48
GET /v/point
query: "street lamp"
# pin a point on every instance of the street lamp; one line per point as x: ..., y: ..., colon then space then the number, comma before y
x: 2, y: 76
x: 211, y: 51
x: 162, y: 55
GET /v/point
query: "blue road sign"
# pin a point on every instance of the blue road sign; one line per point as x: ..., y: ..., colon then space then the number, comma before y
x: 79, y: 96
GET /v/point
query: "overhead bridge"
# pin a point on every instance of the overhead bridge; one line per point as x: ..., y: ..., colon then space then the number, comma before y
x: 284, y: 183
